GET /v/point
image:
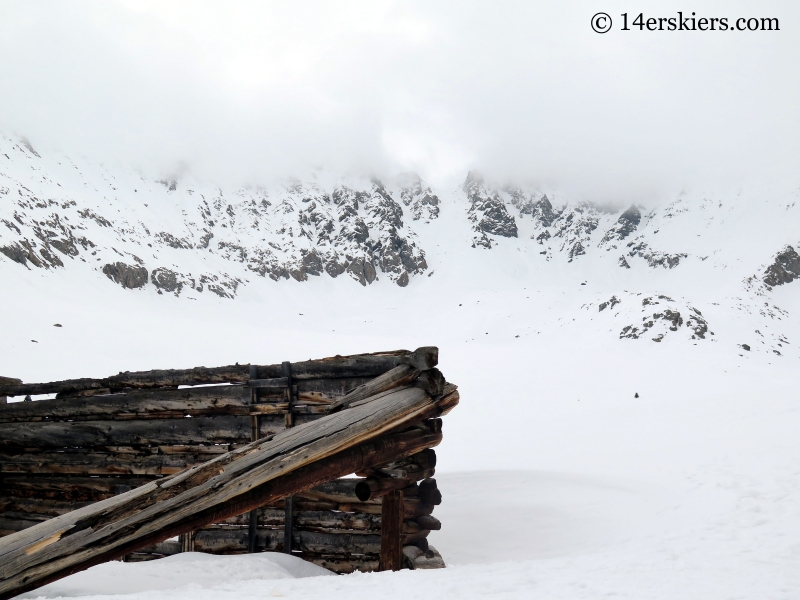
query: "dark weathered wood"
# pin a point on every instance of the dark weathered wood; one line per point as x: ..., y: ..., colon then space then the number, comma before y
x: 398, y: 376
x: 232, y: 540
x: 343, y: 564
x: 88, y: 434
x: 38, y: 509
x: 340, y: 490
x: 255, y: 434
x: 186, y: 541
x: 295, y: 459
x: 67, y: 489
x: 277, y: 383
x: 375, y: 487
x: 328, y: 521
x: 98, y: 463
x: 288, y: 524
x: 391, y: 544
x: 429, y: 492
x: 428, y: 522
x: 360, y: 365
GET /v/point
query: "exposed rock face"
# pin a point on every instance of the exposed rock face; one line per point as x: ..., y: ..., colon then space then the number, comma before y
x: 575, y: 227
x: 541, y: 210
x: 418, y: 197
x: 611, y: 303
x: 655, y: 258
x: 625, y: 226
x: 667, y: 317
x: 167, y: 280
x: 784, y: 269
x: 487, y: 212
x: 128, y: 276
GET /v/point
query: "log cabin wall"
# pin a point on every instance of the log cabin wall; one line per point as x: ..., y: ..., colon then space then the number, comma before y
x: 101, y: 437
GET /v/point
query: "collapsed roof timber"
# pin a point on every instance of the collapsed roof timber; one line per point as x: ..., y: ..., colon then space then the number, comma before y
x: 278, y: 437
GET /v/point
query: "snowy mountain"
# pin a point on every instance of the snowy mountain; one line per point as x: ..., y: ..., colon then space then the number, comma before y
x: 657, y: 268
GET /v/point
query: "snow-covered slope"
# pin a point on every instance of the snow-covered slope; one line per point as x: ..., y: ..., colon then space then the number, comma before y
x: 688, y: 269
x: 585, y: 459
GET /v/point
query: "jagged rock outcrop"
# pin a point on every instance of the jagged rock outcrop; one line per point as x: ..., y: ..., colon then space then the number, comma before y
x: 784, y: 269
x: 419, y: 198
x: 626, y: 224
x: 655, y: 258
x: 574, y: 227
x: 668, y: 317
x: 487, y: 212
x: 128, y: 276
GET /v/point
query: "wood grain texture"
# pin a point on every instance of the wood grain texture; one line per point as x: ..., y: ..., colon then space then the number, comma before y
x: 391, y: 541
x: 174, y: 505
x: 359, y: 365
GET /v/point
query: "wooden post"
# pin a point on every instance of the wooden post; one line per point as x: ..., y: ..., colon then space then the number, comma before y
x: 288, y: 525
x: 187, y: 541
x: 392, y: 531
x: 287, y: 372
x: 255, y: 433
x: 288, y: 515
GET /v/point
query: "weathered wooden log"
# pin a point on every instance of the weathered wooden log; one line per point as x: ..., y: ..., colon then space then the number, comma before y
x: 313, y: 520
x: 417, y: 558
x: 400, y: 375
x: 429, y: 492
x: 89, y: 434
x: 376, y: 487
x: 39, y: 509
x: 167, y: 548
x: 343, y: 564
x: 233, y: 540
x: 339, y: 490
x: 297, y: 459
x: 428, y: 522
x: 67, y: 489
x: 167, y: 404
x: 391, y: 547
x: 13, y: 524
x: 98, y: 463
x: 360, y: 365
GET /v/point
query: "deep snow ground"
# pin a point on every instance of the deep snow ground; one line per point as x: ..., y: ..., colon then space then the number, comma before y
x: 558, y: 483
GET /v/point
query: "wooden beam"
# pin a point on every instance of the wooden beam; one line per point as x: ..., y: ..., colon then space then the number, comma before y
x: 293, y: 460
x: 359, y: 365
x: 392, y: 531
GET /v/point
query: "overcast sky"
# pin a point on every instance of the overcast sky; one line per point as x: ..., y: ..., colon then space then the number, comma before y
x: 522, y: 90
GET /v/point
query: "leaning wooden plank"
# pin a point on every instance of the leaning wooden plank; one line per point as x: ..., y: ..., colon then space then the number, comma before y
x: 372, y: 452
x: 359, y: 365
x: 278, y: 466
x: 400, y: 375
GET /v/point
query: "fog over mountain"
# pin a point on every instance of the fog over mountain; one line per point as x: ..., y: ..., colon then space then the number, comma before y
x: 600, y: 232
x: 246, y: 91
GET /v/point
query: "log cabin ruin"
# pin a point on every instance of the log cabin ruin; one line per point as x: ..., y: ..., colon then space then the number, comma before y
x: 330, y: 460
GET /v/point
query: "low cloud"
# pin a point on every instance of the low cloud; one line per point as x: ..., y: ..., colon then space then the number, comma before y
x: 245, y: 91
